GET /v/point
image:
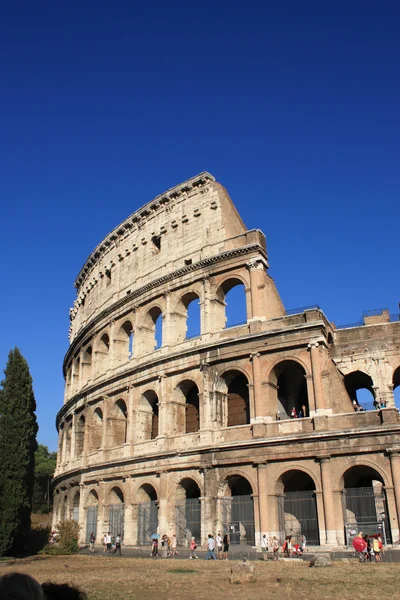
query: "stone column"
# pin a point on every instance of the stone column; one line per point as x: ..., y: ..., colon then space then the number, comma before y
x: 163, y: 516
x: 111, y: 350
x: 208, y: 505
x: 82, y: 514
x: 130, y: 527
x: 130, y: 433
x: 315, y: 353
x: 168, y: 330
x: 394, y: 455
x: 72, y: 452
x: 104, y: 438
x: 256, y: 269
x: 205, y: 307
x: 310, y: 394
x: 259, y: 405
x: 329, y: 511
x: 265, y: 525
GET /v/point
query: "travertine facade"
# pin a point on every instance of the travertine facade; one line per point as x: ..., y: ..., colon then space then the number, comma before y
x: 191, y: 435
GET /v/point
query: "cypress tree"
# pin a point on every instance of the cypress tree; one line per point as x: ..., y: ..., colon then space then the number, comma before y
x: 18, y: 429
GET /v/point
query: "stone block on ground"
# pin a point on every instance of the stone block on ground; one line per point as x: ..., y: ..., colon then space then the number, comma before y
x: 321, y: 560
x: 242, y: 572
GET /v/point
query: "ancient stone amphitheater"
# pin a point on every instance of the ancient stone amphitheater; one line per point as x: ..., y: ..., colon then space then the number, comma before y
x: 165, y: 430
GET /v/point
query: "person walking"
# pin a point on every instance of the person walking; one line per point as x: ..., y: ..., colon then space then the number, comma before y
x: 225, y: 542
x: 211, y: 548
x: 219, y: 543
x: 377, y: 550
x: 264, y: 547
x: 174, y: 551
x: 118, y: 544
x: 193, y: 547
x: 92, y: 540
x: 164, y: 546
x: 154, y: 547
x: 108, y: 542
x: 275, y: 547
x: 105, y: 542
x: 303, y: 542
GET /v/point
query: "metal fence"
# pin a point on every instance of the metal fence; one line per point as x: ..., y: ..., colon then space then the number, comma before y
x: 297, y: 513
x: 188, y: 520
x: 366, y: 505
x: 147, y: 521
x: 91, y: 522
x: 116, y: 520
x: 238, y: 519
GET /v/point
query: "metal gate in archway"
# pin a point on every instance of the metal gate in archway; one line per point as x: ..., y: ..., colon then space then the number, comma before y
x: 91, y: 522
x: 188, y: 520
x: 367, y: 506
x: 297, y: 515
x: 238, y: 519
x: 116, y: 520
x: 147, y: 521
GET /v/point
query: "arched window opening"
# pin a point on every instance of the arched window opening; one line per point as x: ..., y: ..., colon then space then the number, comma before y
x: 188, y: 512
x: 191, y: 304
x: 79, y: 436
x: 148, y: 416
x: 76, y: 371
x: 290, y: 385
x: 91, y: 515
x: 75, y: 507
x: 64, y: 509
x: 87, y: 364
x: 147, y: 513
x: 396, y: 387
x: 360, y: 389
x: 105, y: 342
x: 238, y: 511
x: 101, y: 354
x: 365, y: 503
x: 297, y: 507
x: 123, y: 343
x: 188, y: 417
x: 95, y: 430
x: 231, y: 309
x: 68, y: 441
x: 116, y: 513
x: 117, y: 424
x: 238, y: 406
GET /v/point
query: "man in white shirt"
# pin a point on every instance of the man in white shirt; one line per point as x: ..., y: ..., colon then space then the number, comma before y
x: 218, y: 541
x: 211, y: 548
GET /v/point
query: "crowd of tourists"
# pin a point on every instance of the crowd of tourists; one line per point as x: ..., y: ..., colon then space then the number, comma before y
x: 372, y: 548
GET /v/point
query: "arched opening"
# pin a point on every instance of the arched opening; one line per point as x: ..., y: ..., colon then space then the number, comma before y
x: 68, y: 441
x: 237, y: 399
x: 148, y: 416
x: 79, y: 436
x: 187, y: 317
x: 123, y: 342
x: 288, y: 379
x: 188, y: 417
x: 193, y: 325
x: 365, y: 503
x: 151, y: 330
x: 117, y: 424
x: 75, y: 507
x: 87, y: 364
x: 360, y: 389
x: 102, y: 350
x: 231, y: 309
x: 116, y: 513
x: 64, y: 509
x: 396, y: 387
x: 91, y: 514
x: 297, y: 507
x: 147, y: 513
x: 76, y: 374
x: 188, y: 512
x: 238, y: 511
x: 95, y: 430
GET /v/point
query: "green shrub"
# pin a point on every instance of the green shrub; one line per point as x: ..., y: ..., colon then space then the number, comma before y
x: 67, y: 543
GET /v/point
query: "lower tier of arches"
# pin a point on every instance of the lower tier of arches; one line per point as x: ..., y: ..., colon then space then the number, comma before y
x: 326, y: 499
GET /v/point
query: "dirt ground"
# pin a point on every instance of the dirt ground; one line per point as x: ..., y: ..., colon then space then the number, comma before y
x: 145, y: 579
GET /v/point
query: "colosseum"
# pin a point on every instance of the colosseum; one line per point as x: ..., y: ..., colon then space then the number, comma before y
x: 250, y: 428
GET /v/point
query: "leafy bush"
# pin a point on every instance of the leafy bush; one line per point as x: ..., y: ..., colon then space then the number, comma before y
x: 67, y: 542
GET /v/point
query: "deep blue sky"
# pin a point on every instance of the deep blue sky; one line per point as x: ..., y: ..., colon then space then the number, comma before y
x: 293, y: 106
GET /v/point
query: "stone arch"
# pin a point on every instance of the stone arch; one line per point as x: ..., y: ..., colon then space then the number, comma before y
x: 238, y: 509
x: 227, y: 314
x: 365, y: 503
x: 297, y: 504
x: 396, y: 387
x: 188, y: 409
x: 92, y: 498
x: 92, y: 503
x: 75, y: 506
x: 64, y: 508
x: 87, y: 357
x: 117, y: 424
x: 360, y: 388
x: 151, y: 330
x: 68, y: 441
x: 115, y: 495
x: 123, y: 342
x: 186, y: 317
x: 288, y: 385
x: 147, y: 513
x: 188, y: 510
x: 148, y: 416
x: 102, y: 352
x: 95, y: 429
x: 236, y: 403
x: 79, y: 436
x: 116, y: 511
